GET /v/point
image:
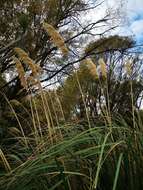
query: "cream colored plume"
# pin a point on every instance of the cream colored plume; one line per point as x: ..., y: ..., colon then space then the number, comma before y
x: 92, y: 68
x: 56, y: 38
x: 103, y: 67
x: 23, y: 56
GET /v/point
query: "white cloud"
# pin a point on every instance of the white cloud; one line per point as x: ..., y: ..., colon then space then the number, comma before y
x: 134, y: 13
x: 137, y: 27
x: 131, y: 10
x: 134, y: 9
x: 135, y: 16
x: 135, y: 6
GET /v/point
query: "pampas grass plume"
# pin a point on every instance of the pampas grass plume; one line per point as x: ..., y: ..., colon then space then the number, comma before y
x: 56, y: 37
x: 92, y: 68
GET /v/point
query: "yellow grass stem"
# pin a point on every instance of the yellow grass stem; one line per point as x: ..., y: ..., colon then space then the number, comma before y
x: 56, y: 117
x: 34, y: 122
x: 83, y: 99
x: 128, y: 68
x: 5, y: 162
x: 60, y: 105
x: 20, y: 126
x: 50, y: 131
x: 53, y: 107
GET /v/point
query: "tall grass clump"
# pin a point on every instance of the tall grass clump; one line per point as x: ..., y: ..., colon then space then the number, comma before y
x: 45, y: 150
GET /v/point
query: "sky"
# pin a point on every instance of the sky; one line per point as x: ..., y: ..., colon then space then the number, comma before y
x: 131, y: 12
x: 135, y: 14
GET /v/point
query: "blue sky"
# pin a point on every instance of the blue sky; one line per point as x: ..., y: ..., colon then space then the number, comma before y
x: 135, y: 19
x: 131, y: 12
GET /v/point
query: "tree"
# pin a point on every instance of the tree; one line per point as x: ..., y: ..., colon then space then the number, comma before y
x: 22, y: 27
x: 111, y: 93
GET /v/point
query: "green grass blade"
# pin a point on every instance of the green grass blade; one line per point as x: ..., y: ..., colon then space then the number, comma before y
x: 99, y: 162
x: 117, y: 171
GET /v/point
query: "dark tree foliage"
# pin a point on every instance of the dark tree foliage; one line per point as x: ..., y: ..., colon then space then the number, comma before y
x: 117, y: 88
x: 21, y: 23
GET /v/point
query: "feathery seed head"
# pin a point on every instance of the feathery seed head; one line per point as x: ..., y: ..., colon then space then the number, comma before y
x: 21, y: 72
x: 56, y: 37
x: 23, y: 56
x: 92, y: 68
x: 128, y: 67
x: 103, y: 67
x: 32, y: 81
x: 20, y: 52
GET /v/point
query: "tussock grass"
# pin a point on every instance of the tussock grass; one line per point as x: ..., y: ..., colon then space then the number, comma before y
x: 56, y: 153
